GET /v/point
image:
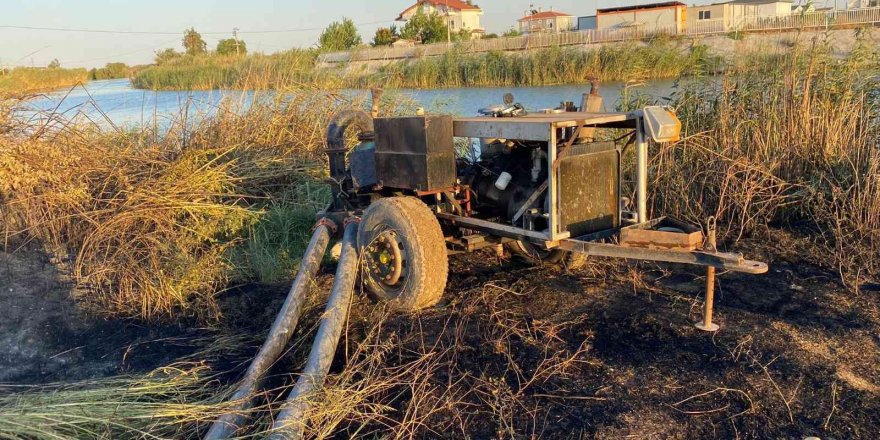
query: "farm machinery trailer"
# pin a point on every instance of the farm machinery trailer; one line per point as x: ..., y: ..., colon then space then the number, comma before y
x: 541, y: 184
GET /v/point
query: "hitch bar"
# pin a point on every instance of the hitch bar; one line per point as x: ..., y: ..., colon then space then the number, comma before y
x: 720, y: 260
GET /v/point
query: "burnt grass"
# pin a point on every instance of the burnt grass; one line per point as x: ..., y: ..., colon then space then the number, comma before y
x: 515, y: 351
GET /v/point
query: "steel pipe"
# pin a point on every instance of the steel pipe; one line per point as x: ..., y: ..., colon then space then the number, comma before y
x: 290, y: 422
x: 642, y: 173
x: 279, y: 335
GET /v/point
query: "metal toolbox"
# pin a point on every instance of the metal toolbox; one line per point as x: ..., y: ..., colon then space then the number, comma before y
x: 415, y: 153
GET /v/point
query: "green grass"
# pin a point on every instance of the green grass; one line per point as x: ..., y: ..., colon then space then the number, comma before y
x: 276, y: 242
x: 26, y: 80
x: 254, y: 72
x: 559, y: 65
x: 660, y: 58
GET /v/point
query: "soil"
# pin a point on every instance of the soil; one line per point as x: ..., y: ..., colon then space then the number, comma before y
x: 46, y: 338
x: 515, y: 351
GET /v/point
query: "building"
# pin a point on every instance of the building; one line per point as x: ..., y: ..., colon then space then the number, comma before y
x: 587, y: 23
x: 538, y: 20
x: 742, y: 9
x: 667, y: 16
x: 731, y: 15
x: 457, y: 14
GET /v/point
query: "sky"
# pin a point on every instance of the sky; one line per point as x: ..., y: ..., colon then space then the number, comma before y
x: 300, y: 21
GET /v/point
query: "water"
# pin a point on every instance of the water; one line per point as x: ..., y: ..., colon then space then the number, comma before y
x: 115, y: 102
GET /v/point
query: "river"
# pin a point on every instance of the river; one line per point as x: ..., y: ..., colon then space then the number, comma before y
x: 116, y: 102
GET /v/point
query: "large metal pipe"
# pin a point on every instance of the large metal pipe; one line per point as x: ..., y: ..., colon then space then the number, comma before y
x: 290, y: 422
x: 279, y: 335
x: 642, y: 172
x: 336, y: 150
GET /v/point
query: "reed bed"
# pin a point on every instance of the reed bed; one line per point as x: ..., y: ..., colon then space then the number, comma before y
x: 151, y: 222
x: 254, y: 72
x: 558, y: 65
x: 21, y: 81
x: 791, y: 143
x: 661, y: 58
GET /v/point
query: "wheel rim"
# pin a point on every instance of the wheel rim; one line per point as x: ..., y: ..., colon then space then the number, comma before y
x: 385, y: 259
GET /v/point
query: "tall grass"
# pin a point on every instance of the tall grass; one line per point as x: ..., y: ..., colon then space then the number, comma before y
x: 792, y: 142
x: 634, y: 61
x: 151, y: 220
x: 21, y: 81
x: 254, y: 72
x: 558, y: 65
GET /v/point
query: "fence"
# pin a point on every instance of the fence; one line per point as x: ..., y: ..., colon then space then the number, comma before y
x: 812, y: 20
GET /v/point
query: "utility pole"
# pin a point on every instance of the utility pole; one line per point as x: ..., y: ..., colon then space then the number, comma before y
x: 235, y: 37
x: 448, y: 34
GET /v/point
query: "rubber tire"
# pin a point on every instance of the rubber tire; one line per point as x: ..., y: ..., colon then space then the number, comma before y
x: 557, y: 257
x: 425, y: 247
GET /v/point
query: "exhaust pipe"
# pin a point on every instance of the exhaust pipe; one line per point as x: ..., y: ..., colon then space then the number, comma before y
x: 290, y: 422
x: 280, y: 333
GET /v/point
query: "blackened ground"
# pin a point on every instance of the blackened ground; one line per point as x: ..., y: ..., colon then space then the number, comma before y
x: 611, y: 352
x: 515, y: 351
x: 45, y: 338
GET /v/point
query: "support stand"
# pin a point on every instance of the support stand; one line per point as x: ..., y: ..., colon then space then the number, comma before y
x: 706, y: 325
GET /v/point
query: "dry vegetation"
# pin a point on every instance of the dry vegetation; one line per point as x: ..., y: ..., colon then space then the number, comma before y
x: 150, y: 220
x: 21, y: 81
x: 794, y: 146
x: 157, y: 224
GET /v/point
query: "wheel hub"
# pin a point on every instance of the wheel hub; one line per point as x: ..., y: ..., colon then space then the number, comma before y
x: 384, y: 258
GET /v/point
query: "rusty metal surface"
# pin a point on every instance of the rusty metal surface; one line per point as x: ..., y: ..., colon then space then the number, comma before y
x: 646, y: 235
x: 589, y: 191
x: 721, y: 260
x: 490, y: 227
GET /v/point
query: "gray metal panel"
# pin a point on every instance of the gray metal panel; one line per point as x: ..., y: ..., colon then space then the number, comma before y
x: 532, y: 127
x: 492, y: 129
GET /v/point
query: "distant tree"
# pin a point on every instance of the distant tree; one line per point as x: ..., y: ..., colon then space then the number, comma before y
x: 462, y: 35
x: 193, y: 42
x: 111, y: 71
x: 340, y: 36
x: 385, y: 36
x: 164, y: 56
x: 55, y: 64
x: 424, y: 28
x: 511, y: 33
x: 231, y: 46
x: 490, y: 36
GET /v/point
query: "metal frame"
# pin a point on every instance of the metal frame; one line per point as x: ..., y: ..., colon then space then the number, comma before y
x: 542, y: 127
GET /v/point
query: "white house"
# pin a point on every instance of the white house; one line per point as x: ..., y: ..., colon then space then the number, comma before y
x: 457, y: 14
x: 546, y: 21
x: 667, y: 15
x: 730, y: 15
x: 759, y: 8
